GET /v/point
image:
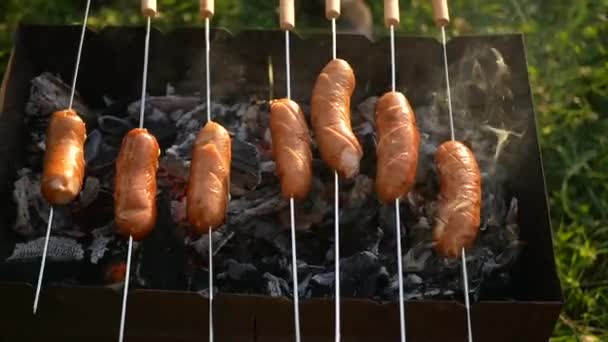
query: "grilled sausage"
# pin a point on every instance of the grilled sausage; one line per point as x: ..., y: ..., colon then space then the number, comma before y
x: 397, y: 150
x: 209, y: 183
x: 291, y: 148
x: 330, y: 112
x: 458, y: 218
x: 64, y: 158
x: 135, y: 184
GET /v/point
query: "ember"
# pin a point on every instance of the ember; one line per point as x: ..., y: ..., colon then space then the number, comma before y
x: 252, y: 248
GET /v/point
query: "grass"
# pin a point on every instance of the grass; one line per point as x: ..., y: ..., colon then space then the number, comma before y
x: 567, y: 44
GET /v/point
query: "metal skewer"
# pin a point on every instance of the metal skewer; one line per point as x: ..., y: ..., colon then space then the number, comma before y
x: 287, y: 22
x: 391, y: 19
x: 442, y: 18
x: 71, y: 102
x: 206, y: 10
x: 332, y: 11
x: 148, y: 8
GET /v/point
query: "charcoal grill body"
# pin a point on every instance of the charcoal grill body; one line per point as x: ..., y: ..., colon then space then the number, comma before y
x: 111, y: 65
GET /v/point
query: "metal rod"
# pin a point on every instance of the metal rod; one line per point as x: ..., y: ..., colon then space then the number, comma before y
x: 400, y: 271
x: 43, y: 262
x: 337, y: 251
x: 294, y: 258
x: 77, y: 66
x: 294, y: 271
x: 207, y: 68
x: 465, y: 278
x: 336, y: 216
x: 144, y: 81
x: 210, y: 234
x: 333, y: 38
x: 393, y: 71
x: 447, y: 81
x: 71, y: 102
x: 210, y: 285
x: 123, y: 312
x: 287, y: 65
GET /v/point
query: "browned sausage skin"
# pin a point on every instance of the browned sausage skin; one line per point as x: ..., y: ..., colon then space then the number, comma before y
x: 63, y: 170
x: 209, y: 183
x: 397, y: 150
x: 291, y: 148
x: 135, y: 184
x: 330, y: 113
x: 458, y: 215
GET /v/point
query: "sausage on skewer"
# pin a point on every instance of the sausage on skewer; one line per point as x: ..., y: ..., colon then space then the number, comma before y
x: 330, y: 113
x: 397, y: 150
x: 291, y: 148
x: 64, y: 163
x: 135, y: 184
x: 209, y: 182
x: 458, y: 216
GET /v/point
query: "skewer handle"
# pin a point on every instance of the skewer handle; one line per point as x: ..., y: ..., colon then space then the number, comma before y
x: 207, y: 7
x: 441, y: 14
x: 287, y: 15
x: 391, y: 13
x: 148, y: 8
x: 332, y: 9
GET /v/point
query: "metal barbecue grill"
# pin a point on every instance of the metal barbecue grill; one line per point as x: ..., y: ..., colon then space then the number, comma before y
x: 515, y: 291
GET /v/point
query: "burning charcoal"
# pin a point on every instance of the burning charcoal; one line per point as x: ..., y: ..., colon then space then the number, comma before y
x: 163, y: 254
x: 115, y: 272
x: 245, y: 168
x: 512, y: 214
x: 275, y: 286
x: 103, y: 163
x: 361, y: 275
x: 362, y: 189
x: 275, y: 264
x: 367, y: 109
x: 30, y: 204
x: 49, y: 94
x: 321, y: 284
x: 176, y: 160
x: 89, y: 192
x: 415, y: 260
x: 178, y: 210
x: 101, y: 239
x: 114, y: 126
x: 263, y: 202
x: 220, y: 238
x: 164, y: 104
x: 159, y: 125
x: 59, y: 249
x: 308, y: 213
x: 92, y: 146
x: 253, y: 120
x: 366, y: 135
x: 363, y: 234
x: 190, y: 123
x: 252, y: 250
x: 240, y: 277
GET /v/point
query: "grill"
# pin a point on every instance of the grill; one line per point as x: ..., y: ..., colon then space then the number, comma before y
x: 519, y: 300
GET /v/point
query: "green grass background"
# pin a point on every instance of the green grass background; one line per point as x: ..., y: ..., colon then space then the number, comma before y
x: 567, y: 45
